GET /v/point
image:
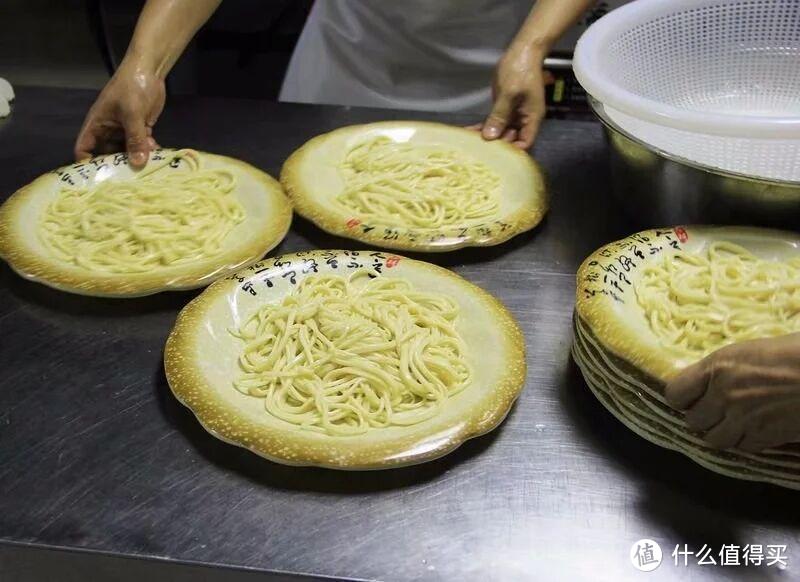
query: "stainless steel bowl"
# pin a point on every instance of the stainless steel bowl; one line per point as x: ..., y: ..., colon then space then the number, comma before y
x: 657, y: 188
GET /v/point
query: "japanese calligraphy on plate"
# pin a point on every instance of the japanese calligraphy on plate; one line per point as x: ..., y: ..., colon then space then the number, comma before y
x: 312, y: 178
x: 201, y: 360
x: 267, y: 217
x: 605, y: 295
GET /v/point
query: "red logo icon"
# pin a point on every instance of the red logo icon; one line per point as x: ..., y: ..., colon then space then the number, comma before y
x: 392, y: 261
x: 352, y: 223
x: 680, y: 232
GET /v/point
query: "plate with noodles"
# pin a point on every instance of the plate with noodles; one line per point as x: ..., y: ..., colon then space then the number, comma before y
x: 663, y: 299
x: 100, y: 228
x: 416, y: 186
x: 346, y: 360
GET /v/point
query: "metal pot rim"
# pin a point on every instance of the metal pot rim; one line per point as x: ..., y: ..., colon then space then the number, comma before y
x: 597, y: 108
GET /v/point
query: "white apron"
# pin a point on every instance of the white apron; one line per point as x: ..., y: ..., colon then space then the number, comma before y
x: 430, y: 55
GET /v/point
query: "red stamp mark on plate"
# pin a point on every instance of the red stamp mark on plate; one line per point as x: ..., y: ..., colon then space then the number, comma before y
x: 392, y: 262
x: 352, y: 223
x: 681, y: 233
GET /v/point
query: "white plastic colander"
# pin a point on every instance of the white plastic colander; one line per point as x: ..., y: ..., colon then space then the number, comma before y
x: 716, y: 82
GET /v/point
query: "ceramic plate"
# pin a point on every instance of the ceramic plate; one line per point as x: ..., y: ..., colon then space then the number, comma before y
x: 650, y: 404
x: 268, y: 215
x: 201, y: 362
x: 312, y: 179
x: 606, y: 300
x: 777, y: 467
x: 717, y: 461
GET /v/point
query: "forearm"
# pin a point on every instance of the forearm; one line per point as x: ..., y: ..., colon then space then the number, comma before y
x: 547, y: 22
x: 163, y: 30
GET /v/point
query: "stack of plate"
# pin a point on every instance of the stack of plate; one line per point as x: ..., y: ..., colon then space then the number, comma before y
x: 625, y: 365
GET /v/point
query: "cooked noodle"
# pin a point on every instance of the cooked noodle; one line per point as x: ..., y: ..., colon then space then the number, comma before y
x: 697, y: 303
x: 422, y: 186
x: 346, y: 355
x: 161, y: 217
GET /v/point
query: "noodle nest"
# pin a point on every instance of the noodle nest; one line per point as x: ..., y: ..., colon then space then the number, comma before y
x: 698, y: 303
x: 343, y: 356
x: 171, y: 213
x: 420, y: 186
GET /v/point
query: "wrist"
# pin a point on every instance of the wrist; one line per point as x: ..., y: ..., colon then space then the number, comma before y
x: 537, y: 47
x: 142, y: 63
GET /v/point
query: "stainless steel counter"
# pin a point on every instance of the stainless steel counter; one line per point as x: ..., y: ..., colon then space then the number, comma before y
x: 96, y: 454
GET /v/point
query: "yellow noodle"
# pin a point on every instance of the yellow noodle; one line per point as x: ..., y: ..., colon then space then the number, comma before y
x: 160, y: 217
x: 697, y: 303
x: 421, y: 186
x: 343, y: 356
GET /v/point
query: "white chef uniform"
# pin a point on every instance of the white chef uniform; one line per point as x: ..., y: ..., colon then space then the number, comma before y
x: 431, y: 55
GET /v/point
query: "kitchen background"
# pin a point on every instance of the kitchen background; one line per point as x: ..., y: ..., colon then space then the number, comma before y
x: 242, y: 52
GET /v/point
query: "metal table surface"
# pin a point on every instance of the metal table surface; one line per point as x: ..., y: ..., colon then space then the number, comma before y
x: 96, y: 454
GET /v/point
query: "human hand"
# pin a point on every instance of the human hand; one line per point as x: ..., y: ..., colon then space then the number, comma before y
x: 745, y: 395
x: 123, y: 116
x: 518, y: 95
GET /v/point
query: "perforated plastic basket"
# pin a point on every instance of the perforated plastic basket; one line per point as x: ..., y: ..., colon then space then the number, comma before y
x: 714, y: 81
